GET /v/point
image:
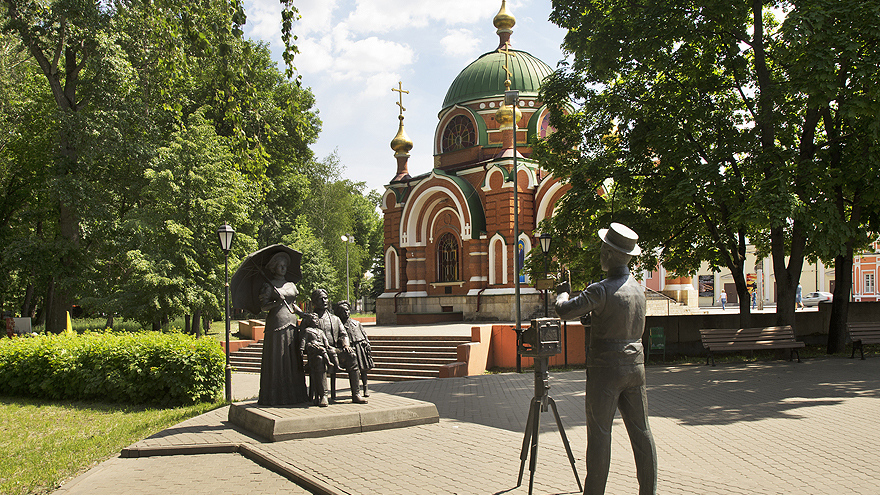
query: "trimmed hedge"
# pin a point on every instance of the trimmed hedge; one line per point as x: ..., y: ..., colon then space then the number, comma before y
x: 167, y: 369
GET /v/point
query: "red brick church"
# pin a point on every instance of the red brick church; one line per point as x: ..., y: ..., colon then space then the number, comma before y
x: 451, y: 252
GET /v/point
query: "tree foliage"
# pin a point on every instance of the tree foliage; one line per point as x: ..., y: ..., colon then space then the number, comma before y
x: 134, y: 130
x: 709, y: 126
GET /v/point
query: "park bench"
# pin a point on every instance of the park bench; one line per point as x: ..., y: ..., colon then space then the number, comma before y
x: 863, y: 333
x: 749, y: 339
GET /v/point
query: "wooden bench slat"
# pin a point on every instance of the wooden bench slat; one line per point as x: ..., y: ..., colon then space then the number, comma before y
x: 755, y: 345
x: 747, y: 339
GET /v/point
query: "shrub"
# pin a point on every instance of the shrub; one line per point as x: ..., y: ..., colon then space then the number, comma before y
x: 135, y: 368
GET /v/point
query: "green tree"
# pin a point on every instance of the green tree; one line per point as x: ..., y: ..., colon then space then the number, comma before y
x: 171, y: 267
x: 833, y: 59
x: 62, y: 37
x: 75, y: 46
x: 318, y: 272
x: 123, y: 86
x: 28, y: 118
x: 335, y: 207
x: 716, y: 138
x: 660, y: 127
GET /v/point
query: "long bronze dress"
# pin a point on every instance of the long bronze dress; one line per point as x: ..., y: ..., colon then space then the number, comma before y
x: 282, y: 378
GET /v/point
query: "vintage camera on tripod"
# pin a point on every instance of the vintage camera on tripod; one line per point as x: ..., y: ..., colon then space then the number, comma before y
x: 541, y: 339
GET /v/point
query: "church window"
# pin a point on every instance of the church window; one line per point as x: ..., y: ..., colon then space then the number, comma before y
x: 447, y: 253
x: 545, y: 129
x: 459, y: 134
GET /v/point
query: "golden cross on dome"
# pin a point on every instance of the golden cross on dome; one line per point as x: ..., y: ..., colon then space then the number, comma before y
x: 507, y: 55
x: 401, y: 91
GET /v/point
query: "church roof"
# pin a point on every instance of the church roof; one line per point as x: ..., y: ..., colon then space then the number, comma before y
x: 484, y: 77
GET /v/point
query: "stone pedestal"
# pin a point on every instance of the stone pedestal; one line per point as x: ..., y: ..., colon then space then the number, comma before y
x: 306, y: 421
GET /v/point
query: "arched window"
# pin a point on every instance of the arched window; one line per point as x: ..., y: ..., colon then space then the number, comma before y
x: 458, y: 134
x: 447, y: 254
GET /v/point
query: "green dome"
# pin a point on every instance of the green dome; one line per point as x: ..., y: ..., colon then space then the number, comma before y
x: 484, y: 77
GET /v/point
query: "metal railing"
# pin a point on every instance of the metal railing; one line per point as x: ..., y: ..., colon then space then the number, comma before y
x: 653, y: 295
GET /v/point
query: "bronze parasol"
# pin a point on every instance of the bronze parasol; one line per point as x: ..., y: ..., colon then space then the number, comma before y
x: 248, y: 280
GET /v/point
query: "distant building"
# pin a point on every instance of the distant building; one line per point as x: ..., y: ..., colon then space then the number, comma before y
x: 815, y: 277
x: 865, y: 269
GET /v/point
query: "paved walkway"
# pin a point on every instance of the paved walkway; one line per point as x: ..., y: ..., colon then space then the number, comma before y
x: 766, y: 428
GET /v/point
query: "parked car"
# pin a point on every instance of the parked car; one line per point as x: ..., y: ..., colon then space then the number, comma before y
x: 814, y: 298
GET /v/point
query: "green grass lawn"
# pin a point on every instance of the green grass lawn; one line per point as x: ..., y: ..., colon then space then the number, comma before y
x: 45, y: 443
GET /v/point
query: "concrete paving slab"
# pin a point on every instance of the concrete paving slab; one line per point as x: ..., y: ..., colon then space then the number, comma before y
x: 203, y: 474
x: 741, y: 428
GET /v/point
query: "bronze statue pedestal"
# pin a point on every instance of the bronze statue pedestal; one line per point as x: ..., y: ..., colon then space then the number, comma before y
x: 278, y: 423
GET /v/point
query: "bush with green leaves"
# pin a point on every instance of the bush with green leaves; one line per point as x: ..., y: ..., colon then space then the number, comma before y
x: 167, y: 369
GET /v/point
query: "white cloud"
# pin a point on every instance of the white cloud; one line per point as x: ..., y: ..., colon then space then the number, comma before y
x: 314, y: 56
x: 373, y: 55
x: 386, y: 15
x: 459, y: 43
x: 379, y: 86
x: 352, y: 52
x: 264, y: 21
x: 339, y: 57
x: 317, y: 16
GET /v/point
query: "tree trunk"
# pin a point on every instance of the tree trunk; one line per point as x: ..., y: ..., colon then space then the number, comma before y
x: 787, y: 277
x: 197, y: 323
x: 186, y: 326
x: 26, y: 307
x: 742, y: 291
x: 745, y: 302
x: 109, y: 323
x: 786, y: 288
x: 50, y: 313
x: 843, y: 265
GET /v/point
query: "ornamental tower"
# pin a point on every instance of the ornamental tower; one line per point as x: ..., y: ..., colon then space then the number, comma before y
x: 401, y: 144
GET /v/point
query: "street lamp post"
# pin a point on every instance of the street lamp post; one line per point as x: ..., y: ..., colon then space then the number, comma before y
x: 225, y: 234
x: 545, y: 239
x: 511, y: 97
x: 347, y: 239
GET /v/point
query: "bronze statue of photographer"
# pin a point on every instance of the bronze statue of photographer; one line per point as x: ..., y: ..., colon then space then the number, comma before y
x: 615, y: 363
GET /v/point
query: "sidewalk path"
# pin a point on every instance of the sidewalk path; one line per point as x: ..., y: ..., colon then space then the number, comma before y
x: 765, y: 428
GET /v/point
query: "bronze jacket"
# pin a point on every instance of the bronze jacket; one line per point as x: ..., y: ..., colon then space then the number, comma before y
x: 331, y: 325
x: 618, y: 318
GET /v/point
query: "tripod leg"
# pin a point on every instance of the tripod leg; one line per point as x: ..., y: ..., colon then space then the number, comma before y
x: 536, y: 425
x: 565, y: 442
x: 527, y: 436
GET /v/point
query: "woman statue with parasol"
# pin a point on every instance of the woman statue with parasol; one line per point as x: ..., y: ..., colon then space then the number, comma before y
x: 282, y: 380
x: 265, y: 282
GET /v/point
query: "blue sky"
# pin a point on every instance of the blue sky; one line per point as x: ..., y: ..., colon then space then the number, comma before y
x: 354, y: 51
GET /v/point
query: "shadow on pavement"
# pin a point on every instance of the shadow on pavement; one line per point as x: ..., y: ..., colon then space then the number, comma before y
x: 692, y: 395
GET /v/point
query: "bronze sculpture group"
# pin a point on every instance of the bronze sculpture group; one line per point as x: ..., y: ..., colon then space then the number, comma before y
x: 327, y: 342
x: 337, y: 348
x: 334, y: 342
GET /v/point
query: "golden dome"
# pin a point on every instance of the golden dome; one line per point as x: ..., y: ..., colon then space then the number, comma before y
x: 401, y: 144
x: 504, y: 116
x: 503, y: 20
